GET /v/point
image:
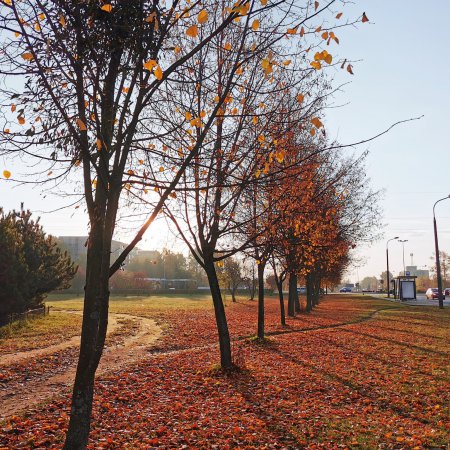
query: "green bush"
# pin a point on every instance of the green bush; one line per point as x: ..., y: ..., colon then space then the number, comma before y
x: 31, y: 263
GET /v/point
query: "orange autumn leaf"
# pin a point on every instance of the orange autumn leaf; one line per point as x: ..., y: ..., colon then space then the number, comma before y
x: 150, y: 64
x: 192, y: 31
x: 202, y: 16
x: 316, y: 65
x: 6, y: 174
x: 300, y: 98
x: 316, y: 122
x: 107, y: 8
x: 364, y: 18
x: 350, y: 69
x: 339, y: 15
x: 316, y: 5
x: 81, y: 125
x: 255, y: 25
x: 158, y: 73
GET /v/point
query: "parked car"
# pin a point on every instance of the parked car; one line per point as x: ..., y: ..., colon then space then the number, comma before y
x: 345, y: 289
x: 432, y: 293
x: 447, y: 292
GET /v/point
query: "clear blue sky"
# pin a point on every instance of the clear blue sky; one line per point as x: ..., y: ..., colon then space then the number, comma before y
x: 403, y: 71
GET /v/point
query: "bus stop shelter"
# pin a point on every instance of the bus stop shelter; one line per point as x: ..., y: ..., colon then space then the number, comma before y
x: 405, y: 287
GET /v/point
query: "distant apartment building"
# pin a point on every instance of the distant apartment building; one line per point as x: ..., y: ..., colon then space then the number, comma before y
x: 77, y: 247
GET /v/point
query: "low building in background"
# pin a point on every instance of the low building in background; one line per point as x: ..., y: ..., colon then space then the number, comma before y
x: 415, y: 272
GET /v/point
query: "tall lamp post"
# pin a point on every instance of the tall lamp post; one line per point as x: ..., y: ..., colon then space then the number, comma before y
x: 387, y: 265
x: 436, y: 249
x: 403, y: 245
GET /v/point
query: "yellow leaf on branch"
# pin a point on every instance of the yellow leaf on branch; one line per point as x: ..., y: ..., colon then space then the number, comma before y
x: 6, y: 174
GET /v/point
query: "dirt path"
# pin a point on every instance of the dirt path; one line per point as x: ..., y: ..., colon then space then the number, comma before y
x: 127, y: 345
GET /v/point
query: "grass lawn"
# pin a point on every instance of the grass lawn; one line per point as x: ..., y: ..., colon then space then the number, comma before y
x: 39, y: 332
x: 358, y: 372
x: 136, y: 304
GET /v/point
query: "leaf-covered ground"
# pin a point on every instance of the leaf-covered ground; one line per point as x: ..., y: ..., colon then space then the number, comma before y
x: 356, y: 373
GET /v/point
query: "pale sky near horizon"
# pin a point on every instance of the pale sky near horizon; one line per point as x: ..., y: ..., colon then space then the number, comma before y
x: 403, y: 71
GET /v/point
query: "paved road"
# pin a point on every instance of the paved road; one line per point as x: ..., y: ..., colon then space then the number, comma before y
x: 421, y: 300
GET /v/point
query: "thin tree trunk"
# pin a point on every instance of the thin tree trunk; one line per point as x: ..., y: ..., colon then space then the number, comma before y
x: 298, y: 308
x: 252, y: 285
x: 221, y: 319
x: 281, y: 298
x: 292, y: 294
x: 317, y: 291
x: 232, y: 291
x: 309, y: 293
x: 261, y: 267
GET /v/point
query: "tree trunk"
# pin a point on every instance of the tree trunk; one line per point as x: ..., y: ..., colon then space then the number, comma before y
x: 298, y: 308
x: 219, y: 310
x: 309, y: 293
x: 261, y: 267
x: 316, y: 291
x: 95, y: 322
x: 232, y: 291
x: 281, y: 298
x: 252, y: 285
x: 292, y: 294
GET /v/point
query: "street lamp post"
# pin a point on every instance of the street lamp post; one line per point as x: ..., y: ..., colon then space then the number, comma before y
x: 387, y: 265
x: 436, y: 249
x: 403, y: 245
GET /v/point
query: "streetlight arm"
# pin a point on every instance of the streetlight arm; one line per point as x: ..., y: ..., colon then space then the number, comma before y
x: 389, y: 240
x: 440, y: 200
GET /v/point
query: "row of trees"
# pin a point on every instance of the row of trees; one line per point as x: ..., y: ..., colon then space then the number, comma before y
x: 31, y: 263
x: 209, y: 112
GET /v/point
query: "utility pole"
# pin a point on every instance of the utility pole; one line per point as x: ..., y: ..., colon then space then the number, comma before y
x: 387, y: 266
x: 436, y: 249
